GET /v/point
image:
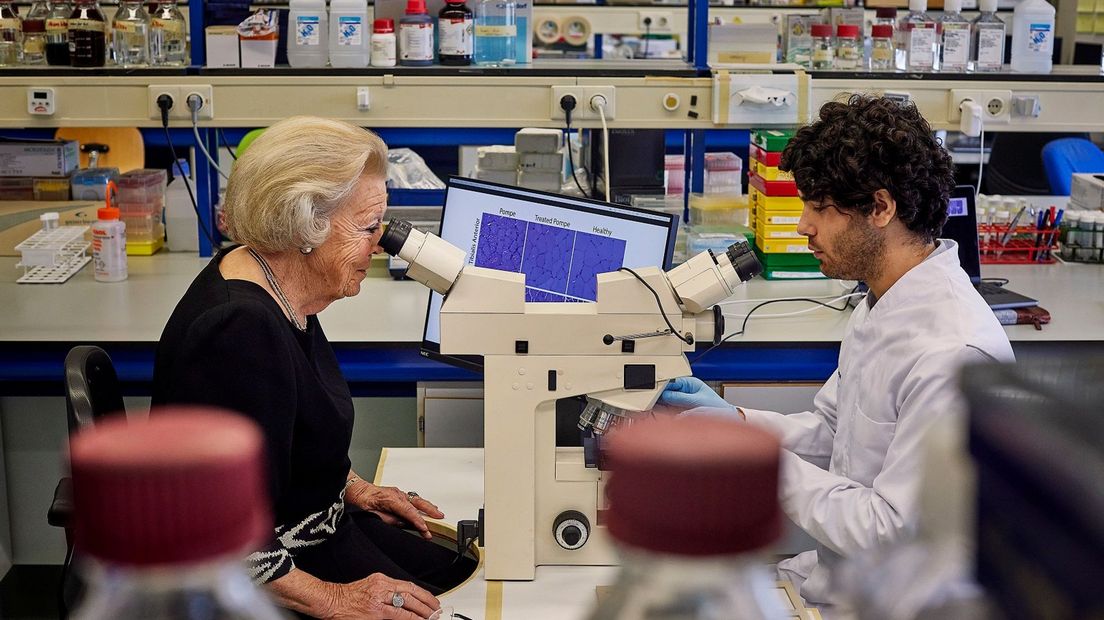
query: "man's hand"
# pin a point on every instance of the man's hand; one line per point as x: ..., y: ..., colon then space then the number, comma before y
x: 392, y: 505
x: 691, y: 393
x: 374, y: 596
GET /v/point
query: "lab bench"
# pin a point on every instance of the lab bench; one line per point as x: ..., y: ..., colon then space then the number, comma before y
x: 376, y: 336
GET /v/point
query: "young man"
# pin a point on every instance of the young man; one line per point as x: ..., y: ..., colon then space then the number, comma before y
x: 875, y: 183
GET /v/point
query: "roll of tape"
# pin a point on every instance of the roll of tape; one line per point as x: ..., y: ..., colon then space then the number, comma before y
x: 576, y: 30
x: 548, y: 31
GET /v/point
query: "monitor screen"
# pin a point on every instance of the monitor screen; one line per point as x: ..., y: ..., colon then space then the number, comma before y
x: 961, y: 227
x: 560, y: 243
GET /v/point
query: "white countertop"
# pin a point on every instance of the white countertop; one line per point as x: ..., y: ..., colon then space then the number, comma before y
x: 387, y: 311
x: 452, y: 478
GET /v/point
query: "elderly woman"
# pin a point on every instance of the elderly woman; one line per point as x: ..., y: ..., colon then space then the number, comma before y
x: 306, y: 202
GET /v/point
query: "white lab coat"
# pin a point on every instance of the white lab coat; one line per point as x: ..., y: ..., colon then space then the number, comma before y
x: 851, y: 469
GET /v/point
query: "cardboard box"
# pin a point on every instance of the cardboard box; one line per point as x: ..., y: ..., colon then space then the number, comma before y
x: 733, y: 44
x: 1088, y: 191
x: 222, y: 47
x: 258, y: 52
x: 38, y: 158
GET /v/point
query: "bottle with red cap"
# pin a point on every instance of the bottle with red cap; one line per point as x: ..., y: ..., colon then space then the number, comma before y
x: 416, y: 36
x: 882, y: 49
x: 692, y: 504
x: 109, y: 261
x: 823, y: 51
x: 384, y: 43
x: 849, y: 49
x: 164, y: 511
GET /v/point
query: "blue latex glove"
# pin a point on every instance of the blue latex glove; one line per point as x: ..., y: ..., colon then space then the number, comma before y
x: 690, y: 393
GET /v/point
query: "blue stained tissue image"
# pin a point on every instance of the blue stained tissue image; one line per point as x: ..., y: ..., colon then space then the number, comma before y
x: 593, y: 255
x: 560, y: 265
x: 500, y: 243
x: 547, y: 253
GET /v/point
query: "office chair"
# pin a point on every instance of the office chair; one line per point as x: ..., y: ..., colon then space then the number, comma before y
x: 1066, y: 156
x: 1015, y: 166
x: 107, y: 147
x: 91, y: 393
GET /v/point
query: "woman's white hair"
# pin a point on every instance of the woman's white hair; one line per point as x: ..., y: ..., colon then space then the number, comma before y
x: 286, y: 186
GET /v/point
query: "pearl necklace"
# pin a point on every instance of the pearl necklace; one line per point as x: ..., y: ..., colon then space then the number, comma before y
x: 271, y: 277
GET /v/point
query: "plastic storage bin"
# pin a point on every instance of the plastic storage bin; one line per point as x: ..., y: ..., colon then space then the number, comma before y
x: 718, y: 210
x: 17, y: 188
x: 91, y: 183
x: 51, y: 189
x: 723, y: 173
x: 143, y: 186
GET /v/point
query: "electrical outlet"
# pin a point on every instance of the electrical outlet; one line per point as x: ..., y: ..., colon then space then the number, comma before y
x: 583, y: 96
x: 180, y: 111
x: 207, y: 112
x: 155, y: 91
x: 654, y: 21
x: 995, y: 104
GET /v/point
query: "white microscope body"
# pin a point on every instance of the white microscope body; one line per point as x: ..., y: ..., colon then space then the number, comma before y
x: 543, y: 504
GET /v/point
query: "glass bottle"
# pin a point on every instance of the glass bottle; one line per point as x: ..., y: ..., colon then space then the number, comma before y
x: 849, y: 51
x: 920, y: 34
x: 11, y: 35
x: 34, y: 34
x: 988, y: 44
x: 823, y: 52
x: 168, y: 36
x: 882, y: 49
x: 87, y: 35
x: 712, y: 569
x: 57, y: 33
x: 455, y: 27
x: 201, y: 467
x: 130, y: 34
x: 954, y: 49
x: 496, y: 33
x: 416, y: 35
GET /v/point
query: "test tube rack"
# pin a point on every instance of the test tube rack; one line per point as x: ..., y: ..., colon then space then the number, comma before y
x: 53, y: 256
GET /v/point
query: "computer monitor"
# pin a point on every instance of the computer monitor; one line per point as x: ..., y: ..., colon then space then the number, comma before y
x: 961, y: 226
x: 560, y: 243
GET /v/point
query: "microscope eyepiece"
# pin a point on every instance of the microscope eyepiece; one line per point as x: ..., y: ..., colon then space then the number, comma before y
x: 744, y: 261
x: 395, y: 236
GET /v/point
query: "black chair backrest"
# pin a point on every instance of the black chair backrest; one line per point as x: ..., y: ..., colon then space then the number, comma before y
x: 91, y: 387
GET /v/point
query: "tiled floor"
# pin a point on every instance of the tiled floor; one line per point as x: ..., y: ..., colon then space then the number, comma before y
x: 30, y: 593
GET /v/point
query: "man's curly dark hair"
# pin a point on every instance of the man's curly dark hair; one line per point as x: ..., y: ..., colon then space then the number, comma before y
x: 872, y: 143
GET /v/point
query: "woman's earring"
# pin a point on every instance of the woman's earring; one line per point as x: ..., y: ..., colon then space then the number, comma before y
x: 306, y: 249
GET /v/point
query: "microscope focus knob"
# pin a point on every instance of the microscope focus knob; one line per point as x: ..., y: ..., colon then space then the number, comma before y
x: 571, y: 529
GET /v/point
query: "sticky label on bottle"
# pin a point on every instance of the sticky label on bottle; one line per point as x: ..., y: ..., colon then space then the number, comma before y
x: 91, y: 25
x: 57, y: 26
x: 169, y: 26
x: 307, y: 30
x: 350, y: 31
x: 1040, y: 40
x: 456, y: 37
x: 509, y: 30
x: 11, y: 24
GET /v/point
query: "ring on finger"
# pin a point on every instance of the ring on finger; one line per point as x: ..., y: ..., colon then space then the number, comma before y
x: 397, y: 600
x: 410, y: 495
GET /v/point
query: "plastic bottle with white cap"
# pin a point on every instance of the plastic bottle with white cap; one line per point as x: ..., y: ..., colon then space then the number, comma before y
x: 919, y: 34
x: 109, y: 259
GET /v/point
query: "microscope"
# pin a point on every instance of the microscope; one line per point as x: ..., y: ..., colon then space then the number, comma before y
x: 543, y: 504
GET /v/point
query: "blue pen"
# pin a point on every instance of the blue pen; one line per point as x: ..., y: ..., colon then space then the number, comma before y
x: 1054, y: 234
x: 1040, y: 222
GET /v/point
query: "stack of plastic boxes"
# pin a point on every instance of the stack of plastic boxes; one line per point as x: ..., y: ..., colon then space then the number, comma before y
x: 141, y: 203
x: 776, y: 210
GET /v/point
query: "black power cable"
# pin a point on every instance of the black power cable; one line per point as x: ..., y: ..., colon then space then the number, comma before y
x: 674, y: 332
x: 647, y: 35
x: 743, y: 326
x: 226, y: 145
x: 165, y: 103
x: 567, y: 104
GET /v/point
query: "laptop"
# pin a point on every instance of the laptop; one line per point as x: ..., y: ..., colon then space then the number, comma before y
x: 961, y: 227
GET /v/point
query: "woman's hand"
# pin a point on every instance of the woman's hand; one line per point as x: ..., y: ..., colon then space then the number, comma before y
x: 392, y: 505
x: 374, y: 598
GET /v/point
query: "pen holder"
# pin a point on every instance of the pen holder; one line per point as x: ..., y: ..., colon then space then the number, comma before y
x: 1025, y: 246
